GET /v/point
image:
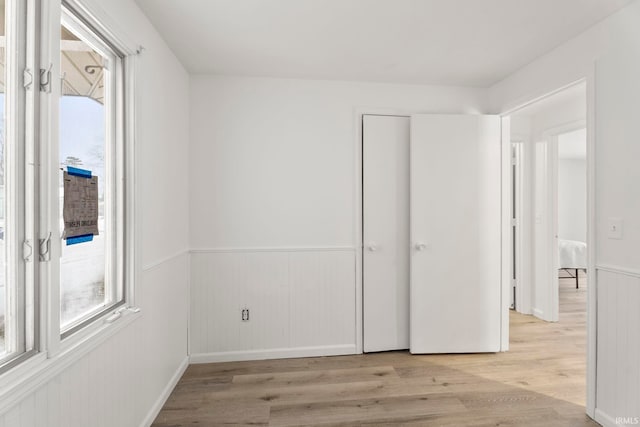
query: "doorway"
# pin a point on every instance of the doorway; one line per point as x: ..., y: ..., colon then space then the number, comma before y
x: 571, y: 187
x: 548, y: 139
x: 549, y: 203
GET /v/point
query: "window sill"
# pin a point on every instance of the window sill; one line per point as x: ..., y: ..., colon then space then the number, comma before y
x: 23, y: 380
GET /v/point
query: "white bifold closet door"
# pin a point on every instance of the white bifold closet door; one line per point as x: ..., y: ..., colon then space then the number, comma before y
x: 385, y: 182
x: 455, y: 183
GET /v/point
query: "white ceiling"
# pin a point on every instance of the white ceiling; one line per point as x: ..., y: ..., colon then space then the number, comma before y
x: 447, y: 42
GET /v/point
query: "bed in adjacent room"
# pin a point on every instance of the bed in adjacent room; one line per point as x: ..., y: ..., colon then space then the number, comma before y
x: 572, y: 255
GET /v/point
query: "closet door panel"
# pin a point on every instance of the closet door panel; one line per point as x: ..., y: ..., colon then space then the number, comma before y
x: 455, y: 215
x: 385, y: 233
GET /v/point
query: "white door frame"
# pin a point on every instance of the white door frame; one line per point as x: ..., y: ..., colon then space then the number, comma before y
x: 547, y: 298
x: 522, y: 299
x: 589, y: 79
x: 506, y: 239
x: 524, y: 236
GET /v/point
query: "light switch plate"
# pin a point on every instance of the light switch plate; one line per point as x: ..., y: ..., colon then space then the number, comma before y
x: 614, y: 228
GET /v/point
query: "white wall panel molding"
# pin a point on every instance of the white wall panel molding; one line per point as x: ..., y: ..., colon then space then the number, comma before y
x: 112, y: 380
x: 301, y: 301
x: 274, y: 249
x: 618, y: 353
x: 618, y: 270
x: 21, y: 383
x: 155, y: 410
x: 158, y: 263
x: 277, y: 353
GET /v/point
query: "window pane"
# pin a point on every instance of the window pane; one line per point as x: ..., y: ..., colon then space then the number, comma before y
x: 84, y: 277
x: 3, y: 252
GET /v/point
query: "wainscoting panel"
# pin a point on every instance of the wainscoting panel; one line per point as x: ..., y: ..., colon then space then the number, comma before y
x: 301, y: 302
x: 125, y: 380
x: 322, y: 298
x: 618, y: 371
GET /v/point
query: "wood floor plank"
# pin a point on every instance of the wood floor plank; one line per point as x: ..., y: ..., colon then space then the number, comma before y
x: 356, y: 411
x: 327, y: 376
x: 539, y: 382
x: 544, y: 417
x: 215, y: 414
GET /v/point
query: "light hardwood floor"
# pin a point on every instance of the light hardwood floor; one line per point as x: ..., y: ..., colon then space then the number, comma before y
x: 539, y: 382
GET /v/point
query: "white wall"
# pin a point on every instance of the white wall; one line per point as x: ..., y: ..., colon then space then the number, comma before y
x: 614, y: 47
x: 618, y: 131
x: 572, y: 199
x: 273, y: 181
x: 273, y: 161
x: 122, y: 381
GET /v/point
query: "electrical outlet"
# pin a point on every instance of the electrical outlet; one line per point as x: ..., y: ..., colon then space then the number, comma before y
x: 245, y: 314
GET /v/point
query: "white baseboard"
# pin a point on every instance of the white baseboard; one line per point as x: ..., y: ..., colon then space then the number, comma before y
x: 276, y: 353
x: 157, y: 406
x: 538, y: 313
x: 605, y: 419
x: 609, y: 421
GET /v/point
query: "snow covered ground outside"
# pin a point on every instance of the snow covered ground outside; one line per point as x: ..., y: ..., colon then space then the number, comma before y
x: 82, y: 280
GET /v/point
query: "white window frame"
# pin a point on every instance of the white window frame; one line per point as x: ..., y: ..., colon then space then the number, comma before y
x: 41, y: 45
x: 114, y: 174
x: 121, y: 128
x: 21, y: 331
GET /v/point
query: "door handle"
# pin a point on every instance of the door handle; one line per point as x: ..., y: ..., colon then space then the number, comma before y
x: 421, y: 246
x: 372, y: 247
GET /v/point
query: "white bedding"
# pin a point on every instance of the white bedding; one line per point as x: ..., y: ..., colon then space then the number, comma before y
x: 572, y: 254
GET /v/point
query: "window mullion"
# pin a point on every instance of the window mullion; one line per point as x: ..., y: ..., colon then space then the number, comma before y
x: 14, y: 183
x: 48, y: 149
x: 31, y: 132
x: 21, y: 312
